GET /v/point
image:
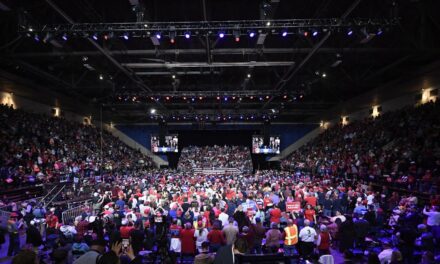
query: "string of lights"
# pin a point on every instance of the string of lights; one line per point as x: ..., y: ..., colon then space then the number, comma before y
x: 221, y: 29
x: 216, y: 117
x: 195, y: 96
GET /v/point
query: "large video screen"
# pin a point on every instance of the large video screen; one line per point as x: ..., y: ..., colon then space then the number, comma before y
x: 261, y: 147
x: 171, y: 144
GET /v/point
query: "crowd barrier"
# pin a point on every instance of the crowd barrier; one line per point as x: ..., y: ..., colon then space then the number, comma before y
x: 4, y: 217
x: 216, y: 171
x: 69, y: 215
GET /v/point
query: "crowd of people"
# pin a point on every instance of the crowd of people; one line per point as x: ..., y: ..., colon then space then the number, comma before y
x: 37, y: 148
x: 324, y: 201
x: 216, y: 157
x: 400, y: 148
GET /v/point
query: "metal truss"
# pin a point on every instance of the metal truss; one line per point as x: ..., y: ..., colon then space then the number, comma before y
x: 211, y: 94
x: 235, y: 27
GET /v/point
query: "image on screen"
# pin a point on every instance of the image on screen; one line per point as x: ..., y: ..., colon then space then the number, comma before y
x: 261, y: 147
x: 171, y: 144
x: 257, y: 144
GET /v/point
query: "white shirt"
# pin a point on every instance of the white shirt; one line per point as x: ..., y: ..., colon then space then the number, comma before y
x: 385, y: 256
x: 307, y: 234
x: 433, y: 218
x: 201, y: 237
x: 224, y: 218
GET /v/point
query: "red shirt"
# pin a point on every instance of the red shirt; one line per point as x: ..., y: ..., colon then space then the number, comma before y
x: 308, y: 214
x: 215, y: 236
x: 52, y: 221
x: 188, y: 241
x: 325, y: 241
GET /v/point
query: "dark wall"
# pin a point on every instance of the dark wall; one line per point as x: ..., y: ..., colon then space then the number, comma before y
x: 220, y: 134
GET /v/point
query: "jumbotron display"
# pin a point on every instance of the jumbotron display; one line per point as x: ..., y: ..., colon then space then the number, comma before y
x: 170, y: 144
x: 259, y: 146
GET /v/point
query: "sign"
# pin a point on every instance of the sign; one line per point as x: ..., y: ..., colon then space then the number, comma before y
x: 293, y: 207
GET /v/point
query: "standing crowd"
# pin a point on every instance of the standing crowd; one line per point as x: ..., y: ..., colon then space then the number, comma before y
x: 326, y: 199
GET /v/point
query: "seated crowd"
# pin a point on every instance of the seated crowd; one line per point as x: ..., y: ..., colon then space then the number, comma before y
x: 399, y: 148
x: 39, y: 149
x: 315, y: 207
x: 216, y: 157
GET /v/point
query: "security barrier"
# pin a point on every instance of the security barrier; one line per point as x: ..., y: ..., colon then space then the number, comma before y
x: 69, y: 215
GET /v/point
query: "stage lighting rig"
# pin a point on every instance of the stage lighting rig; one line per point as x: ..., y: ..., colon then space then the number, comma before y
x: 235, y: 28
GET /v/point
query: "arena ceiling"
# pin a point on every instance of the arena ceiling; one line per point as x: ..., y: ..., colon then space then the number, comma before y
x: 132, y: 56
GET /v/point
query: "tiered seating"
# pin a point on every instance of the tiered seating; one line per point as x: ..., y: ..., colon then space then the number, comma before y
x: 216, y: 157
x: 401, y: 148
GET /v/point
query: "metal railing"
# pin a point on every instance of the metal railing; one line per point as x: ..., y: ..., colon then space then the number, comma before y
x: 47, y: 194
x: 6, y: 210
x: 55, y: 196
x: 4, y: 217
x: 69, y: 215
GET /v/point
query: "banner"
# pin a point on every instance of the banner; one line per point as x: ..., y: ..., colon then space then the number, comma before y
x: 293, y: 207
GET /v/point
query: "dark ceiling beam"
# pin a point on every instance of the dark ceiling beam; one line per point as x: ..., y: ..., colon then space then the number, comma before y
x: 387, y: 68
x: 232, y: 51
x: 289, y: 112
x: 105, y: 52
x: 294, y: 68
x: 4, y: 7
x: 172, y: 65
x: 207, y: 41
x: 40, y: 73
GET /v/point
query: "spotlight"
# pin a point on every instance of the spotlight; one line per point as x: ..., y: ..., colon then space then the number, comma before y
x: 193, y: 99
x: 101, y: 77
x: 158, y: 36
x: 168, y: 98
x: 200, y: 98
x: 109, y: 36
x: 284, y: 33
x: 350, y: 32
x: 95, y: 36
x: 173, y: 76
x: 152, y: 111
x: 36, y: 38
x: 125, y: 36
x: 251, y: 34
x: 379, y: 32
x: 184, y: 98
x: 267, y: 96
x: 306, y: 33
x: 285, y: 96
x: 221, y: 34
x: 47, y: 38
x: 251, y: 97
x: 187, y: 35
x: 237, y: 35
x: 324, y: 75
x: 172, y: 37
x: 268, y: 23
x: 315, y: 33
x: 226, y: 98
x: 64, y: 37
x: 249, y: 75
x: 218, y: 97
